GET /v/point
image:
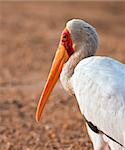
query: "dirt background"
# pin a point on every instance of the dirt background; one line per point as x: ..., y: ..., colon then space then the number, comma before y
x: 29, y: 36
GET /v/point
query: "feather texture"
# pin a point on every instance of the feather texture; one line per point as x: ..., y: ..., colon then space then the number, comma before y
x: 99, y: 86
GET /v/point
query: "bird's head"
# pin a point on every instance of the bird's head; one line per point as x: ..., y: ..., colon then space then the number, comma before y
x: 77, y: 35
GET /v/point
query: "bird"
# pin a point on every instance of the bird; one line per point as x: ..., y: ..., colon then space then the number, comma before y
x: 97, y: 82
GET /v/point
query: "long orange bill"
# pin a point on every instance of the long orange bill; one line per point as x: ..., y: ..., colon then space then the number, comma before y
x: 60, y: 58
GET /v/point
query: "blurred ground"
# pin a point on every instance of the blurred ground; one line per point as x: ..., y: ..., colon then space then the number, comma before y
x: 29, y: 35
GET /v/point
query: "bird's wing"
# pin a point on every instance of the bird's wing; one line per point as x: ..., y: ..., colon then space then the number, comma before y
x: 99, y: 86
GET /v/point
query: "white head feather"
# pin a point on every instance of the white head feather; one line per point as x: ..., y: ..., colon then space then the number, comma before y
x: 84, y: 36
x: 86, y: 41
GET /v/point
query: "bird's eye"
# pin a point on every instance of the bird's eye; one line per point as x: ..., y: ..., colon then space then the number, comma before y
x: 64, y: 38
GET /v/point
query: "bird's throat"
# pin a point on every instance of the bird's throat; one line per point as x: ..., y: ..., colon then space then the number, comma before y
x: 68, y: 70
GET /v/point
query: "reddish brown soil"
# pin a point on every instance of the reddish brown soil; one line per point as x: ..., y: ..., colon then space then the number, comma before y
x: 29, y: 35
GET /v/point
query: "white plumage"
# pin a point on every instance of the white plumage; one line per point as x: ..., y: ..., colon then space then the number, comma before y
x: 97, y: 82
x: 99, y: 86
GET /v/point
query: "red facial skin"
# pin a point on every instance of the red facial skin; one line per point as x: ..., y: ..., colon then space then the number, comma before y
x: 66, y: 41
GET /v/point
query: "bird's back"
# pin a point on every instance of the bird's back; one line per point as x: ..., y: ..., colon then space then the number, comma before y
x: 99, y: 86
x: 104, y: 71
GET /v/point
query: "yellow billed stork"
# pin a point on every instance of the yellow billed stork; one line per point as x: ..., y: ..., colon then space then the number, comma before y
x: 97, y: 82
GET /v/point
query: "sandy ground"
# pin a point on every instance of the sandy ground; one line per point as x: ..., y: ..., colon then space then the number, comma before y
x: 29, y: 35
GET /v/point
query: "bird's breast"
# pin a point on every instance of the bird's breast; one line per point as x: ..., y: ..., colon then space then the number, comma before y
x: 99, y: 85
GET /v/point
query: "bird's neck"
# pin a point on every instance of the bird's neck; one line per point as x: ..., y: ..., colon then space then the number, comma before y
x: 68, y: 70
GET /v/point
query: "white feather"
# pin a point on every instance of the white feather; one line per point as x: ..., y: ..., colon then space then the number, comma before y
x: 99, y: 86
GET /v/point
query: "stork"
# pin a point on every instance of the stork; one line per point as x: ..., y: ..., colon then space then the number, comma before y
x: 98, y: 84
